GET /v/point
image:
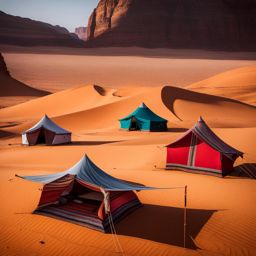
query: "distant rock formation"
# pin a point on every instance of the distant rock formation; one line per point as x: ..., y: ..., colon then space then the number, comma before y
x: 15, y: 30
x: 81, y: 32
x: 191, y: 24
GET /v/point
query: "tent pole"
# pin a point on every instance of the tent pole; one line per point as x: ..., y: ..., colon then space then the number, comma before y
x: 185, y: 216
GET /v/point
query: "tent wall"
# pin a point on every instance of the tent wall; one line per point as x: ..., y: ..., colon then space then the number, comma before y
x: 122, y: 199
x: 125, y: 124
x: 48, y: 135
x: 158, y: 126
x: 227, y: 165
x: 144, y: 125
x: 194, y: 155
x: 178, y: 152
x: 52, y: 191
x: 61, y: 139
x: 207, y: 157
x: 33, y: 136
x: 24, y: 139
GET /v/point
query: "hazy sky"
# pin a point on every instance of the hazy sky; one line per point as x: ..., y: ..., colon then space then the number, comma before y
x: 66, y: 13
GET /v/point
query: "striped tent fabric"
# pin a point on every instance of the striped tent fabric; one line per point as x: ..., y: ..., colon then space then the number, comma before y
x: 76, y: 195
x: 202, y: 130
x: 47, y: 132
x: 200, y: 150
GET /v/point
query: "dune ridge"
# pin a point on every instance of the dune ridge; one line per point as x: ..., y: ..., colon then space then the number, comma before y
x: 238, y: 84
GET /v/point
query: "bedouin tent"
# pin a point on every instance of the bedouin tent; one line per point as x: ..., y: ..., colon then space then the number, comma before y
x: 200, y: 150
x: 46, y: 131
x: 79, y: 195
x: 143, y: 119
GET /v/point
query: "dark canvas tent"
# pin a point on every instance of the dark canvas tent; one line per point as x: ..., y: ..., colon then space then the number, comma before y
x: 46, y: 131
x: 77, y: 195
x: 143, y: 119
x: 200, y: 150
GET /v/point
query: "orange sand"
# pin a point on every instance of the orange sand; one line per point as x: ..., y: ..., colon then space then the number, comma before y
x: 221, y: 212
x: 54, y: 70
x: 238, y: 84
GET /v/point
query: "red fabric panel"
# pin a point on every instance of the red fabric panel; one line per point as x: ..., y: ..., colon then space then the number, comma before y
x: 207, y: 157
x: 122, y: 199
x: 33, y: 136
x: 177, y: 153
x: 52, y: 191
x: 117, y: 201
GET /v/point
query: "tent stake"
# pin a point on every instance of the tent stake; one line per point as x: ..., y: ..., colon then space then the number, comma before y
x: 185, y: 216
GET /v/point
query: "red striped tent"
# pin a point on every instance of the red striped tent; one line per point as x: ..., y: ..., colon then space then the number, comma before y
x: 200, y: 150
x: 79, y: 194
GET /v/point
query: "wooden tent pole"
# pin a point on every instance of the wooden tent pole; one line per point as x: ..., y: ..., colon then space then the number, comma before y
x: 185, y: 216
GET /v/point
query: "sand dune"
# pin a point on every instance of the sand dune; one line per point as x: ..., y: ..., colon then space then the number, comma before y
x: 181, y: 107
x: 64, y: 102
x: 238, y: 84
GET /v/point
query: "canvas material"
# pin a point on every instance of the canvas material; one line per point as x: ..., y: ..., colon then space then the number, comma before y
x: 144, y: 117
x: 48, y: 124
x: 86, y: 171
x: 61, y: 139
x: 203, y: 132
x: 24, y: 139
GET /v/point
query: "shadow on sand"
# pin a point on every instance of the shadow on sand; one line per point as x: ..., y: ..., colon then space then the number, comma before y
x: 177, y: 130
x: 164, y: 224
x: 90, y: 143
x: 170, y: 94
x: 247, y: 170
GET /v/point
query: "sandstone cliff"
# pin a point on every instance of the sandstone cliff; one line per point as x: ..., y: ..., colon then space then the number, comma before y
x: 81, y: 32
x: 201, y: 24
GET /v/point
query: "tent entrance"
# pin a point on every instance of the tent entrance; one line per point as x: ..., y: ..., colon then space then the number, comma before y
x: 45, y: 137
x: 134, y: 125
x: 81, y: 206
x: 41, y: 137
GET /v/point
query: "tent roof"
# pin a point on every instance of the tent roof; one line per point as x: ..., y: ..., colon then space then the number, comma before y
x: 86, y: 171
x: 203, y: 131
x: 47, y: 123
x: 144, y: 113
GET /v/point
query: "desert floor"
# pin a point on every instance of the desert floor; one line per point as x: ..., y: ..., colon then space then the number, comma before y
x: 91, y: 93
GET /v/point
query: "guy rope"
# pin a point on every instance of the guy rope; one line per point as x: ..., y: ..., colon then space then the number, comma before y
x: 116, y: 241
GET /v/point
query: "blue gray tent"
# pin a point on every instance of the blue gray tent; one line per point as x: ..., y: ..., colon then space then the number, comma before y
x: 78, y: 195
x: 143, y: 119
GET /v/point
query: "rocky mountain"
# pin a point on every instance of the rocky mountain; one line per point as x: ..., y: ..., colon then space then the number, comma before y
x: 81, y: 32
x: 15, y: 30
x: 194, y: 24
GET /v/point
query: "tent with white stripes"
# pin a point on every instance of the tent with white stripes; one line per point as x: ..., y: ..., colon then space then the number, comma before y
x: 47, y: 132
x: 200, y: 150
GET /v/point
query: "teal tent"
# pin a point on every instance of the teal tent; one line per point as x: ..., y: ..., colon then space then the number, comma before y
x: 143, y: 119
